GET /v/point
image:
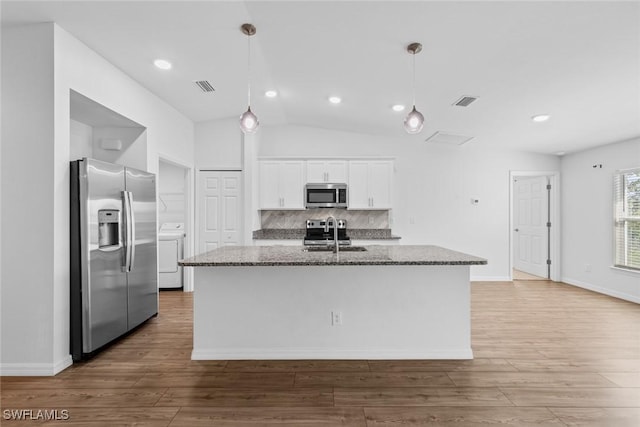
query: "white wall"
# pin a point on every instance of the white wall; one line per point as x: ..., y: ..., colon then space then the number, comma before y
x: 221, y: 145
x: 81, y: 140
x: 134, y: 146
x: 433, y: 187
x: 218, y: 145
x: 27, y: 199
x: 40, y: 65
x: 171, y: 193
x: 170, y: 178
x: 587, y: 219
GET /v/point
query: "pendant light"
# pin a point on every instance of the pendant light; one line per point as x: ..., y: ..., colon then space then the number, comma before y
x: 248, y: 121
x: 414, y: 122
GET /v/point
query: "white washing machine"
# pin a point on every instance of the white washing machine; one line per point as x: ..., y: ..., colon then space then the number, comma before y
x: 170, y: 250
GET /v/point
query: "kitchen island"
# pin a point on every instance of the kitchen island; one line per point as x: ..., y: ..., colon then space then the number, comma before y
x: 283, y: 302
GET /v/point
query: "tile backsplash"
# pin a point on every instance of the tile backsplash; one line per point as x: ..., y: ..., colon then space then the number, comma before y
x: 297, y: 219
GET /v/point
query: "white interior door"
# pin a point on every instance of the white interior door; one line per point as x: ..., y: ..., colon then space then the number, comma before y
x: 220, y: 209
x: 530, y: 212
x: 231, y: 209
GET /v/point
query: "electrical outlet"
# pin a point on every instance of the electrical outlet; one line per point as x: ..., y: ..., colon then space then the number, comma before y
x: 412, y: 220
x: 336, y: 318
x: 371, y: 220
x: 587, y: 268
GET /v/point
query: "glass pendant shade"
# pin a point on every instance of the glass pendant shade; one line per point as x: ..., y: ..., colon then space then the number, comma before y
x: 248, y: 121
x: 414, y: 121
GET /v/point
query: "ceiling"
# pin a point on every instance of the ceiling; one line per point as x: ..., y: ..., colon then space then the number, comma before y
x: 577, y: 61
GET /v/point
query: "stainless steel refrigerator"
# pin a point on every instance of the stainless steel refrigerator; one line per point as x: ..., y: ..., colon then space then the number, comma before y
x: 114, y: 273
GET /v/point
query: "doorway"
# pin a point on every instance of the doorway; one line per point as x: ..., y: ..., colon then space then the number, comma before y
x: 534, y: 226
x: 175, y: 222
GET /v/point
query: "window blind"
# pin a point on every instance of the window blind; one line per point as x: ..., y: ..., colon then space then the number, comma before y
x: 626, y: 190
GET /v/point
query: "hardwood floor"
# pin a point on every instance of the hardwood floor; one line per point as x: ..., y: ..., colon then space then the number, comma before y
x: 547, y: 354
x: 523, y: 275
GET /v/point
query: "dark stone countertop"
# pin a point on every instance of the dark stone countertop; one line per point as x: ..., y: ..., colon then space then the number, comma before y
x: 297, y: 256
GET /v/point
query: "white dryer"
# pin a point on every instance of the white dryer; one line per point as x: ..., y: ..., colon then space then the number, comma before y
x: 170, y: 250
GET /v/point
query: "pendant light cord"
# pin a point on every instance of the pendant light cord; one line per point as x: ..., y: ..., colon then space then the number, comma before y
x: 249, y: 70
x: 414, y: 79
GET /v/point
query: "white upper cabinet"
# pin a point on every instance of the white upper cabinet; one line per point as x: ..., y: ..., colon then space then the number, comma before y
x: 282, y: 181
x: 370, y: 184
x: 380, y: 176
x: 281, y: 184
x: 269, y: 185
x: 359, y: 185
x: 327, y: 171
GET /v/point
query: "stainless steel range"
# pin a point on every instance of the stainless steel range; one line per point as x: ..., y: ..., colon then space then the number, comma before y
x: 319, y: 233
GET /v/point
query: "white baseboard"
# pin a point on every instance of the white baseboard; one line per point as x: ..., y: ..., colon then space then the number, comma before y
x: 601, y: 290
x: 35, y: 369
x: 316, y: 354
x: 490, y: 279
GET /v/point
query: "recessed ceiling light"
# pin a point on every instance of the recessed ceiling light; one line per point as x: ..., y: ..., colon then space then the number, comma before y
x: 271, y: 94
x: 335, y: 99
x: 163, y: 64
x: 398, y: 107
x: 541, y: 118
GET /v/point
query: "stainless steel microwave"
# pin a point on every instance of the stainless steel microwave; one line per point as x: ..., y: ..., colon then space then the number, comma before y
x: 326, y: 195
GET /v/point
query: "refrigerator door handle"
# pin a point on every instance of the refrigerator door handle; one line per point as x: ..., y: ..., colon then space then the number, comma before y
x: 132, y: 232
x: 126, y: 210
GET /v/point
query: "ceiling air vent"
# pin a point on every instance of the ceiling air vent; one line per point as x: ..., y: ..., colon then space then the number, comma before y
x: 449, y: 138
x: 465, y: 101
x: 204, y: 86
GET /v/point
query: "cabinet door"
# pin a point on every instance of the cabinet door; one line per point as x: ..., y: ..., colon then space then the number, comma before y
x: 380, y: 175
x: 336, y: 171
x: 269, y: 179
x: 358, y: 185
x: 316, y: 171
x: 292, y: 184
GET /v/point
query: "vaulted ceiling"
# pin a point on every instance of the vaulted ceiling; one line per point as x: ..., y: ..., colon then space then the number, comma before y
x: 576, y: 61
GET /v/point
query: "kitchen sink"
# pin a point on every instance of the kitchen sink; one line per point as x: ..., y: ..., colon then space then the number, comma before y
x: 330, y: 249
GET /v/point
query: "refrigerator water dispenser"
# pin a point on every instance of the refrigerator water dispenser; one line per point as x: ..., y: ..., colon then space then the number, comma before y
x: 108, y: 228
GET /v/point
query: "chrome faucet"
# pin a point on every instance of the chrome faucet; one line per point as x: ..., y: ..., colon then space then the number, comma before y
x: 335, y: 232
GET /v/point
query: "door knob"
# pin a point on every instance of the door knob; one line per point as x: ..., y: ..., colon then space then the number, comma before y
x: 515, y: 229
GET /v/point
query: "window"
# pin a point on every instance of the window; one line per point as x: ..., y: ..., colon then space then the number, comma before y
x: 626, y: 189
